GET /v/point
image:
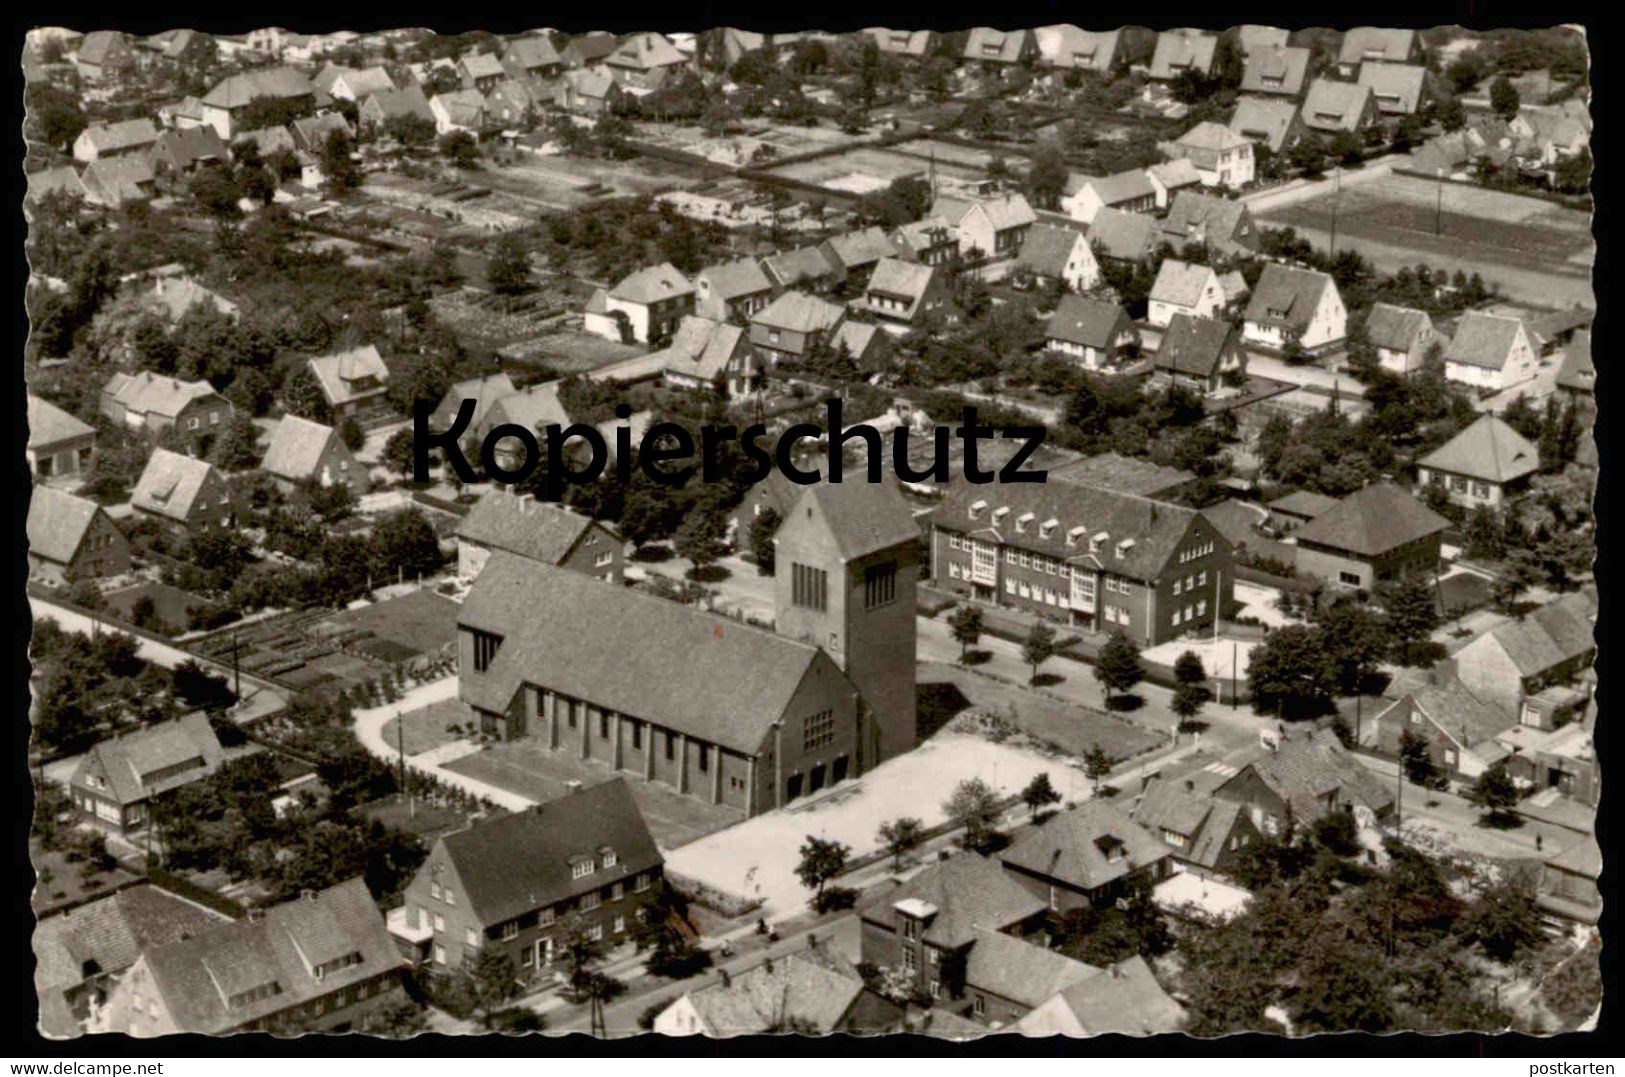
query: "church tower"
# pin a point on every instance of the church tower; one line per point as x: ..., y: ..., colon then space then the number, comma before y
x: 846, y: 562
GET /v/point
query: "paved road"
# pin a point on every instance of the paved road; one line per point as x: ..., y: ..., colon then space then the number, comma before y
x: 1304, y: 190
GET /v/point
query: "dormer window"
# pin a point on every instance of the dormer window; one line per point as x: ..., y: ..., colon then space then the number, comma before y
x: 999, y: 514
x: 1024, y: 521
x: 606, y: 857
x: 1074, y: 535
x: 1124, y: 547
x: 1111, y: 847
x: 1047, y: 528
x: 977, y: 509
x: 582, y: 868
x: 1097, y: 540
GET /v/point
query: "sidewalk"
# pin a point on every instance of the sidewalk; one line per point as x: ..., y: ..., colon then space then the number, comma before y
x: 369, y: 730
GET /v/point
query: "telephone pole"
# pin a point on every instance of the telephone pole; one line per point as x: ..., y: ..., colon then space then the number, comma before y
x: 1337, y: 192
x: 1438, y: 205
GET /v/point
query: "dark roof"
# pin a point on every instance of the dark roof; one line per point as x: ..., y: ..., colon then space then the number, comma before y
x: 864, y: 517
x: 1193, y: 345
x: 1287, y: 295
x: 50, y: 425
x: 1124, y: 999
x: 1046, y: 249
x: 1304, y: 503
x: 1086, y: 847
x: 197, y: 977
x: 1155, y: 527
x: 1304, y: 770
x: 1203, y: 217
x: 129, y: 763
x: 111, y: 933
x: 1125, y: 236
x: 1372, y: 521
x: 1395, y: 328
x: 1017, y: 970
x: 969, y: 893
x: 1578, y: 372
x: 1463, y: 716
x: 503, y: 520
x: 522, y: 862
x: 1080, y: 319
x: 634, y: 653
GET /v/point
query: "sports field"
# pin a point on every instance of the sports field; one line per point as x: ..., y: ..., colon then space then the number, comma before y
x: 1532, y: 249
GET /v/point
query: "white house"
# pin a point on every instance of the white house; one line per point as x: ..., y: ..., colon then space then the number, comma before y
x: 1490, y: 352
x: 1183, y: 288
x: 651, y: 302
x: 1294, y: 304
x: 1222, y: 157
x: 1401, y: 337
x: 994, y: 227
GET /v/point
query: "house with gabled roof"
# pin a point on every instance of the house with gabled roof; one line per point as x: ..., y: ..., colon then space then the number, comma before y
x: 102, y: 140
x: 805, y: 269
x: 1098, y: 332
x: 732, y: 291
x: 906, y: 293
x: 587, y: 50
x: 1251, y: 37
x: 351, y: 381
x: 59, y: 445
x: 1488, y: 463
x: 1171, y: 177
x: 1065, y: 47
x: 302, y: 451
x: 994, y: 226
x: 1125, y: 237
x: 182, y: 152
x: 1179, y: 51
x: 1203, y: 834
x: 322, y: 961
x: 1335, y: 107
x: 1082, y: 554
x: 1270, y: 122
x: 483, y: 391
x: 113, y: 182
x: 944, y: 911
x: 1490, y: 352
x: 1301, y: 779
x: 1081, y: 858
x: 545, y: 533
x: 1459, y: 729
x: 358, y: 85
x: 1281, y: 70
x: 72, y: 538
x: 62, y: 179
x: 1123, y: 999
x: 855, y: 254
x: 1402, y: 337
x: 154, y: 403
x: 585, y: 91
x: 480, y: 71
x: 1052, y: 253
x: 1131, y: 192
x: 377, y: 109
x: 815, y: 991
x: 1399, y: 89
x: 910, y: 44
x: 460, y: 110
x: 1007, y: 978
x: 310, y: 133
x: 1199, y: 353
x: 1578, y: 376
x: 117, y: 779
x: 104, y: 55
x: 223, y: 106
x: 652, y: 301
x: 1184, y: 288
x: 645, y: 61
x: 930, y: 241
x: 999, y: 48
x: 182, y: 490
x: 1513, y: 662
x: 515, y: 884
x: 793, y: 325
x: 1298, y: 508
x: 1377, y: 533
x: 1221, y: 224
x: 705, y: 352
x: 1373, y: 45
x: 1289, y: 304
x: 1222, y: 157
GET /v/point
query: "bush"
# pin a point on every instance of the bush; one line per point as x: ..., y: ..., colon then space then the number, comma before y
x: 646, y: 1019
x: 835, y: 898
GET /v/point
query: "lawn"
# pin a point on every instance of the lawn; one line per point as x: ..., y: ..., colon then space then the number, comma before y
x: 421, y: 817
x: 172, y: 604
x: 428, y: 727
x: 69, y: 883
x: 423, y: 620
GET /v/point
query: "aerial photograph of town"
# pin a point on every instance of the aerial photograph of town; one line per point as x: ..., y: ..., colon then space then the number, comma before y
x: 1036, y: 530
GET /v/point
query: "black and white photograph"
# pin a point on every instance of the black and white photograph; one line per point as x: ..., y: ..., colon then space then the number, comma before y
x: 916, y: 535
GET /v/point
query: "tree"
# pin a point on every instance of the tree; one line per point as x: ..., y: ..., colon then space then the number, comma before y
x: 1118, y: 667
x: 1187, y: 702
x: 338, y: 162
x: 410, y: 129
x: 1505, y: 920
x: 1046, y: 180
x: 508, y: 271
x: 820, y: 862
x: 1417, y: 759
x: 1495, y: 792
x: 460, y: 148
x: 1097, y: 765
x: 1038, y: 647
x: 1355, y: 640
x: 1519, y: 572
x: 1413, y: 615
x: 1039, y: 794
x: 763, y: 528
x: 973, y: 806
x: 966, y: 625
x: 303, y: 396
x: 699, y: 538
x: 1504, y: 98
x: 404, y: 543
x: 495, y: 982
x: 899, y: 837
x: 236, y: 449
x: 1291, y: 672
x: 351, y: 434
x: 216, y: 192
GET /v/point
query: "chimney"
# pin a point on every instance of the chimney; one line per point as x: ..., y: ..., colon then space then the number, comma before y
x: 727, y: 979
